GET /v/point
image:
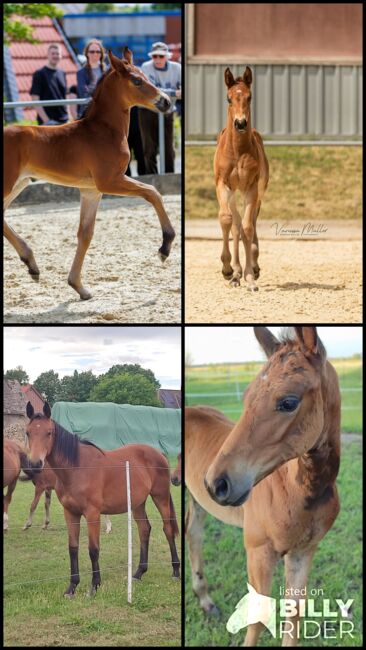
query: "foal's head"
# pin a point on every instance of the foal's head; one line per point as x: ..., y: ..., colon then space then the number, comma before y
x: 239, y: 97
x: 135, y: 87
x: 46, y: 436
x: 283, y: 417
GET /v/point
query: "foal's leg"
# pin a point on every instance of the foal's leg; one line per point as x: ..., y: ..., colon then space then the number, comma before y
x: 34, y: 504
x: 73, y: 525
x: 195, y: 517
x: 7, y: 499
x: 144, y: 528
x: 170, y: 526
x: 224, y: 194
x: 108, y: 525
x: 92, y: 516
x: 90, y: 200
x: 248, y: 234
x: 235, y: 231
x: 261, y: 562
x: 297, y: 567
x: 125, y: 186
x: 24, y: 251
x: 255, y: 246
x: 47, y: 503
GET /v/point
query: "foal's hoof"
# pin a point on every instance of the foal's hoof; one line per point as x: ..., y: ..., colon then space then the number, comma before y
x: 67, y: 595
x: 85, y: 294
x: 228, y: 274
x: 213, y: 611
x: 235, y: 282
x: 253, y: 287
x: 256, y: 272
x: 161, y: 255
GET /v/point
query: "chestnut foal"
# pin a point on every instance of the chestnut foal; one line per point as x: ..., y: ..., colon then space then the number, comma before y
x: 240, y: 163
x: 92, y: 154
x: 273, y: 472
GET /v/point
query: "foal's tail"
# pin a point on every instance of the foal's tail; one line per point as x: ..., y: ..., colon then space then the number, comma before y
x: 173, y: 517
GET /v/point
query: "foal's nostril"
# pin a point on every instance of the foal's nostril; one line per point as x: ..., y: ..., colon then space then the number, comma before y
x: 222, y: 488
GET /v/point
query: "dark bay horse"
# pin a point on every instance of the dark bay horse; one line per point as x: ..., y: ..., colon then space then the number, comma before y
x: 91, y: 481
x: 15, y: 458
x: 273, y: 473
x: 92, y: 154
x: 176, y: 477
x: 240, y: 163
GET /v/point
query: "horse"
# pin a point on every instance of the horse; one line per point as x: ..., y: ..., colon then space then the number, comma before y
x: 273, y: 473
x: 14, y: 459
x: 45, y: 481
x: 240, y: 163
x: 91, y: 481
x: 176, y: 477
x: 91, y: 154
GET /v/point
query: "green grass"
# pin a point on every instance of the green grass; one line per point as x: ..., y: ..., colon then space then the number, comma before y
x: 222, y: 386
x: 36, y: 574
x: 336, y: 569
x: 306, y: 182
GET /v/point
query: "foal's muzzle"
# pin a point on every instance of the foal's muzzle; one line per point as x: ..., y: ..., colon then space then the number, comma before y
x: 163, y: 103
x: 225, y: 493
x: 240, y: 125
x: 37, y: 466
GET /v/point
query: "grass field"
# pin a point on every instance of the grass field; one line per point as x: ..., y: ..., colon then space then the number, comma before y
x: 336, y: 569
x: 36, y: 574
x: 222, y: 386
x: 305, y: 183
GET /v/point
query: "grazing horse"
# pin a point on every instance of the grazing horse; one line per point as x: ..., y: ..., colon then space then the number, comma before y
x: 92, y: 154
x: 14, y: 460
x: 91, y: 481
x: 176, y: 477
x: 240, y: 164
x: 273, y: 472
x: 45, y: 481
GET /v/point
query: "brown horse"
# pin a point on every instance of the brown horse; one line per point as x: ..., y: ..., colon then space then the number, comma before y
x: 91, y: 481
x: 176, y: 477
x: 14, y: 458
x: 273, y: 472
x: 240, y: 164
x: 91, y: 154
x: 45, y: 481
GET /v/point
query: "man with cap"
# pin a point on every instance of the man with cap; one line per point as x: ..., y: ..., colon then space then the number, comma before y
x: 164, y: 74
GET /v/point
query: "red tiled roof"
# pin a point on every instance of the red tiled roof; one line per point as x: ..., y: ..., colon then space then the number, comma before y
x: 27, y: 58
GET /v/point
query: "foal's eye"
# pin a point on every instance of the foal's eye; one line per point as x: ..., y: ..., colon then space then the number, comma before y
x: 137, y: 81
x: 288, y: 404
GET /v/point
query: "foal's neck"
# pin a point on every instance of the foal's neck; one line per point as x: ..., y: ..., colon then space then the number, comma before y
x: 318, y: 468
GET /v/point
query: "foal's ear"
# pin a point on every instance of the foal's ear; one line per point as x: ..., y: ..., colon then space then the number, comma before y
x: 308, y: 338
x: 30, y: 410
x: 229, y: 79
x: 127, y: 54
x: 47, y: 410
x: 267, y: 340
x: 247, y: 76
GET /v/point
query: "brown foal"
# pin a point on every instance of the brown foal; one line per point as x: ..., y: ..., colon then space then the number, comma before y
x: 240, y: 163
x: 273, y: 472
x: 92, y: 154
x: 14, y: 459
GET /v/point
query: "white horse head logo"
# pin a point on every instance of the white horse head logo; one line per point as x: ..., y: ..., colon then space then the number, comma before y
x: 253, y: 608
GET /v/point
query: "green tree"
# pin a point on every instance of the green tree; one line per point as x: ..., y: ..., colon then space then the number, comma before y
x: 18, y: 373
x: 132, y: 369
x: 49, y: 384
x: 77, y: 387
x: 16, y: 30
x: 166, y: 6
x: 125, y: 388
x: 105, y: 7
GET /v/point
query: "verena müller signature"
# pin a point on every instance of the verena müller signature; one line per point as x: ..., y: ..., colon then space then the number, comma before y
x: 306, y: 229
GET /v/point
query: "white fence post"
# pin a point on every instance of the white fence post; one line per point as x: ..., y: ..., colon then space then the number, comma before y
x: 129, y: 541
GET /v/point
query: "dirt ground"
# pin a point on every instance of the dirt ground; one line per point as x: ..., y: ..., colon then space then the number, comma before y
x: 128, y: 281
x: 304, y: 279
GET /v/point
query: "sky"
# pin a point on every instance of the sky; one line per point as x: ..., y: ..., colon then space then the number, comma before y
x: 65, y: 349
x: 238, y: 344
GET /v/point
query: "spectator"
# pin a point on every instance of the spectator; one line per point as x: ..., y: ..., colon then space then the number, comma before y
x: 89, y: 75
x: 164, y: 74
x: 49, y: 82
x: 135, y: 143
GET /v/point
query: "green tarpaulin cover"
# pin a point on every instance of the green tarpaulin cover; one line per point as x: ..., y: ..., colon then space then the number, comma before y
x: 111, y: 425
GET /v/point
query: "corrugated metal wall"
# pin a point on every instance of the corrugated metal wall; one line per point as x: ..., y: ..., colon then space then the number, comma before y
x: 288, y: 100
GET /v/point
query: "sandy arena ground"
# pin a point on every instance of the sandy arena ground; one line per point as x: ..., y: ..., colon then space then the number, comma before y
x: 302, y: 280
x: 128, y: 281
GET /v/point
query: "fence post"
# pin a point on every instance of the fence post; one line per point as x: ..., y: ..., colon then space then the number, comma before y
x: 129, y: 540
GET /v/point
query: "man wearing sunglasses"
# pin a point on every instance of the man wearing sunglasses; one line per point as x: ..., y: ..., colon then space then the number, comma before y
x: 164, y: 74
